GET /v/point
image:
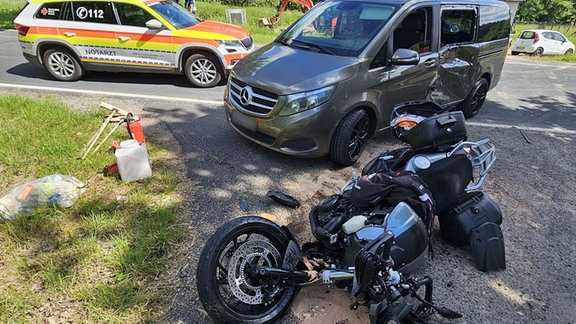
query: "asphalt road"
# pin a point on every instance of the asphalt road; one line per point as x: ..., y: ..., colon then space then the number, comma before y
x: 530, y: 94
x: 230, y: 177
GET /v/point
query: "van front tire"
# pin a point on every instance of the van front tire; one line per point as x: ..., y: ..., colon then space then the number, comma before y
x: 475, y: 100
x: 350, y: 137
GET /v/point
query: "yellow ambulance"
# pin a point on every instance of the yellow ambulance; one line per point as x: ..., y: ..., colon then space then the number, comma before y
x: 70, y: 38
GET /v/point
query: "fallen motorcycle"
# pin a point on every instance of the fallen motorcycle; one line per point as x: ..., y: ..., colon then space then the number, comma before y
x: 371, y: 236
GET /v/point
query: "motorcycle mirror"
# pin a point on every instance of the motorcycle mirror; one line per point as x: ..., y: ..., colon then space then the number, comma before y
x: 442, y: 311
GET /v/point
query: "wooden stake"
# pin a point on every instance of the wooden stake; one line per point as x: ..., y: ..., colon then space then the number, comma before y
x: 95, y: 137
x: 110, y: 107
x: 107, y: 135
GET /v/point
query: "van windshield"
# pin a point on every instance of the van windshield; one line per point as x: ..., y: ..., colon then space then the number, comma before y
x: 341, y: 28
x: 175, y: 14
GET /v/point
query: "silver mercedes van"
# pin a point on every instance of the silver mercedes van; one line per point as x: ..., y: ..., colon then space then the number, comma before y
x: 330, y: 81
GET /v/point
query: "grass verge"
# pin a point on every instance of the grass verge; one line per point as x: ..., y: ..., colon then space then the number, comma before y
x: 94, y: 261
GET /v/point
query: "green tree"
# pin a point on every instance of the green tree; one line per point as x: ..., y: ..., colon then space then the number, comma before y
x: 548, y: 11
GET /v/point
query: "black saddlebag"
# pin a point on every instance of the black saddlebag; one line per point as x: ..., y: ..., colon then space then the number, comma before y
x: 487, y: 243
x: 476, y: 221
x: 473, y: 209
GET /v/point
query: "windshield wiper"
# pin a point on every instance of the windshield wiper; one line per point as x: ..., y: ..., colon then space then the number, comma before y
x: 283, y: 42
x: 309, y: 46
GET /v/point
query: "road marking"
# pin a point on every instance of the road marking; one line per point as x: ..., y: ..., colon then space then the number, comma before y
x: 526, y: 128
x: 218, y: 102
x: 528, y: 61
x: 113, y: 94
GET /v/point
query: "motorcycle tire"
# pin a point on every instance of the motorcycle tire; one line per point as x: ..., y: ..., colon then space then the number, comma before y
x: 226, y: 290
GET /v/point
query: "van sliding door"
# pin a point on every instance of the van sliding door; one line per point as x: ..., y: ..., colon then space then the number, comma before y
x: 459, y: 50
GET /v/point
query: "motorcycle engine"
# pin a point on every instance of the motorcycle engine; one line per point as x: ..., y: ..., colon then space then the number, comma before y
x: 327, y: 217
x: 326, y: 220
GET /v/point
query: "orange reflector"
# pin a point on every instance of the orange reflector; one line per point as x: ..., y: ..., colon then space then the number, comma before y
x: 269, y: 217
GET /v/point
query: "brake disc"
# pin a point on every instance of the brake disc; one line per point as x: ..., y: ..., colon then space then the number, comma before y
x: 256, y: 252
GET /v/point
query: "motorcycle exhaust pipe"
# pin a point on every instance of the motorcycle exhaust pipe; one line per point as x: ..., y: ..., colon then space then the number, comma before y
x: 328, y: 276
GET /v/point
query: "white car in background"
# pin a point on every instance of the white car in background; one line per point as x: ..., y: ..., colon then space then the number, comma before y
x: 542, y: 42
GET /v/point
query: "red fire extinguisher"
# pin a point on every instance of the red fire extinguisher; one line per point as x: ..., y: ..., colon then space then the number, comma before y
x: 135, y: 128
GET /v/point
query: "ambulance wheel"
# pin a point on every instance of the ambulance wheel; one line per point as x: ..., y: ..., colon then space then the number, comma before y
x: 202, y: 71
x: 62, y: 64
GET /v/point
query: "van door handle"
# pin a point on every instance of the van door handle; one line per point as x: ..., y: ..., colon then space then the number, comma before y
x: 124, y: 38
x: 430, y: 62
x: 69, y: 34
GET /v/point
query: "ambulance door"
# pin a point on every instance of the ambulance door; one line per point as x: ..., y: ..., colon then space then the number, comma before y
x: 142, y: 47
x: 89, y: 26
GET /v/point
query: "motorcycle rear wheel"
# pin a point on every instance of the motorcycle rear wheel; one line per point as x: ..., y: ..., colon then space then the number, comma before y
x: 226, y: 289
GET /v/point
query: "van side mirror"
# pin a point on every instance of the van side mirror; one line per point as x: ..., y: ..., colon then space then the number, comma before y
x: 154, y: 24
x: 404, y: 56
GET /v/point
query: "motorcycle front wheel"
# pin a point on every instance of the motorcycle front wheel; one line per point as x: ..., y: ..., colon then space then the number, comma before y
x: 226, y: 286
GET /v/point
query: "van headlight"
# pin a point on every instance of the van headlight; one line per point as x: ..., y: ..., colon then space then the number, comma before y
x: 298, y: 102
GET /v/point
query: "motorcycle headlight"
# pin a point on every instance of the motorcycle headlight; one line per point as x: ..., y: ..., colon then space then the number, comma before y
x: 298, y: 102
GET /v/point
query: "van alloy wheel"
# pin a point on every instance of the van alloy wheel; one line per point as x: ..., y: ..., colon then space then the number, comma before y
x: 350, y: 137
x: 569, y: 51
x: 475, y: 100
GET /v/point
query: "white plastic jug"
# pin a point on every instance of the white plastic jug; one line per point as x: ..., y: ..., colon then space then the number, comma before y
x: 132, y: 160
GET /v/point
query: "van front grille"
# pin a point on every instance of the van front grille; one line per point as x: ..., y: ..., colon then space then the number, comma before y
x: 251, y: 99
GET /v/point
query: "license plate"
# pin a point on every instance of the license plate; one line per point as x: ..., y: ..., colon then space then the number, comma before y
x: 244, y: 121
x: 520, y: 48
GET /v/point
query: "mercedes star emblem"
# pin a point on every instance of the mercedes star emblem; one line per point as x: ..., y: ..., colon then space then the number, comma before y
x: 246, y: 95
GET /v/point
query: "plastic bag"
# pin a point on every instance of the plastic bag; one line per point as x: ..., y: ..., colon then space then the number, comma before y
x: 53, y: 190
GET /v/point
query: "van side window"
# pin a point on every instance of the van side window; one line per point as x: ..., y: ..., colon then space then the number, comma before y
x: 457, y: 26
x: 415, y: 31
x: 494, y: 23
x: 132, y: 15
